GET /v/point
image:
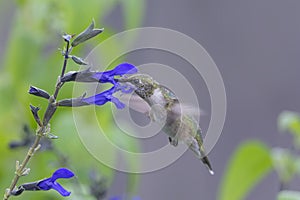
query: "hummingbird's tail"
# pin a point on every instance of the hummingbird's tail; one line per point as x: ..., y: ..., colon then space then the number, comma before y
x: 203, y: 158
x: 207, y: 164
x: 200, y: 151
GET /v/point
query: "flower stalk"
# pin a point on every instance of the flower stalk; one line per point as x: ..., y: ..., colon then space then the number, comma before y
x: 42, y: 130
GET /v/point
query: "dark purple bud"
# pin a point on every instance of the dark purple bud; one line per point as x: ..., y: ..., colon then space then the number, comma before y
x: 38, y: 92
x: 34, y: 111
x: 67, y: 37
x: 18, y: 191
x: 17, y: 144
x: 26, y: 186
x: 98, y: 185
x: 27, y: 139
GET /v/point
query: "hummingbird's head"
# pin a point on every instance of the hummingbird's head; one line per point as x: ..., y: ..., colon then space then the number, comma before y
x: 143, y: 84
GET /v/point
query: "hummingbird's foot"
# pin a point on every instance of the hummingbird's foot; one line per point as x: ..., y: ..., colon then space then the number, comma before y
x: 173, y: 141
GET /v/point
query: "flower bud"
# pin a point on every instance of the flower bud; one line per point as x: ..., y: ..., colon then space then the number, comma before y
x: 38, y: 92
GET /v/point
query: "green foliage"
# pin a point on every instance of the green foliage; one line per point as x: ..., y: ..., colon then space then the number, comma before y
x: 290, y: 121
x: 31, y: 57
x: 132, y: 15
x: 285, y: 163
x: 248, y: 165
x: 253, y: 160
x: 288, y: 195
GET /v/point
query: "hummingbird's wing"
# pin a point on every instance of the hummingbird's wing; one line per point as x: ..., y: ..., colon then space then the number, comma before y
x: 182, y: 108
x: 135, y: 102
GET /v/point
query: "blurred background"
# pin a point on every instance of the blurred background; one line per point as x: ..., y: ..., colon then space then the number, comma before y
x: 255, y: 45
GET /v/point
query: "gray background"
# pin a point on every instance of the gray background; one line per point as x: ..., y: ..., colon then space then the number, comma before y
x: 256, y: 46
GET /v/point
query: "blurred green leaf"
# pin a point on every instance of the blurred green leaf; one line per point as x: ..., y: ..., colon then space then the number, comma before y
x: 288, y: 195
x: 249, y: 164
x: 133, y: 12
x: 285, y: 163
x: 297, y: 165
x: 290, y: 121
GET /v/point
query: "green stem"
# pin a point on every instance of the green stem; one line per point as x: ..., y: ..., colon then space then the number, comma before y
x: 18, y: 171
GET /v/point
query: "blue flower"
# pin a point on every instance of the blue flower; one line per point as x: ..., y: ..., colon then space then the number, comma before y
x: 102, y: 77
x: 103, y: 97
x: 50, y: 183
x: 119, y: 70
x: 99, y: 99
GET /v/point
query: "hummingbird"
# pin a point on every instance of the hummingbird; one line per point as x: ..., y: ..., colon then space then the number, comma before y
x: 164, y: 107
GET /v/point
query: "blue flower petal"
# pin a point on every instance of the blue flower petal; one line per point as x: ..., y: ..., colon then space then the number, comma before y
x: 101, y: 98
x: 124, y: 68
x: 126, y: 89
x: 50, y: 183
x: 117, y: 102
x: 56, y: 186
x: 62, y: 173
x: 108, y: 76
x: 104, y: 97
x: 45, y: 184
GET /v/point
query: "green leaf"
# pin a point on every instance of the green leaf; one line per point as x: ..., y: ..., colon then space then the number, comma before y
x: 249, y: 164
x: 288, y: 195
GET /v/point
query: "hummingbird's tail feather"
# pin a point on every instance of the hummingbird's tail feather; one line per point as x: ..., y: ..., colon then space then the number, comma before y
x: 203, y: 155
x: 199, y: 151
x: 207, y: 164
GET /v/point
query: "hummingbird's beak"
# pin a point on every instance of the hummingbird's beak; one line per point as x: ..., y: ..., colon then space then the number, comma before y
x: 123, y: 80
x: 126, y: 81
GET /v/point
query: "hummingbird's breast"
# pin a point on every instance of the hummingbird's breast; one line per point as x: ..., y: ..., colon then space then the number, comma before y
x: 157, y: 98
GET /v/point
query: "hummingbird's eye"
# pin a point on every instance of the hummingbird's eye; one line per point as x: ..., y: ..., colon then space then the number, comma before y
x: 136, y: 81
